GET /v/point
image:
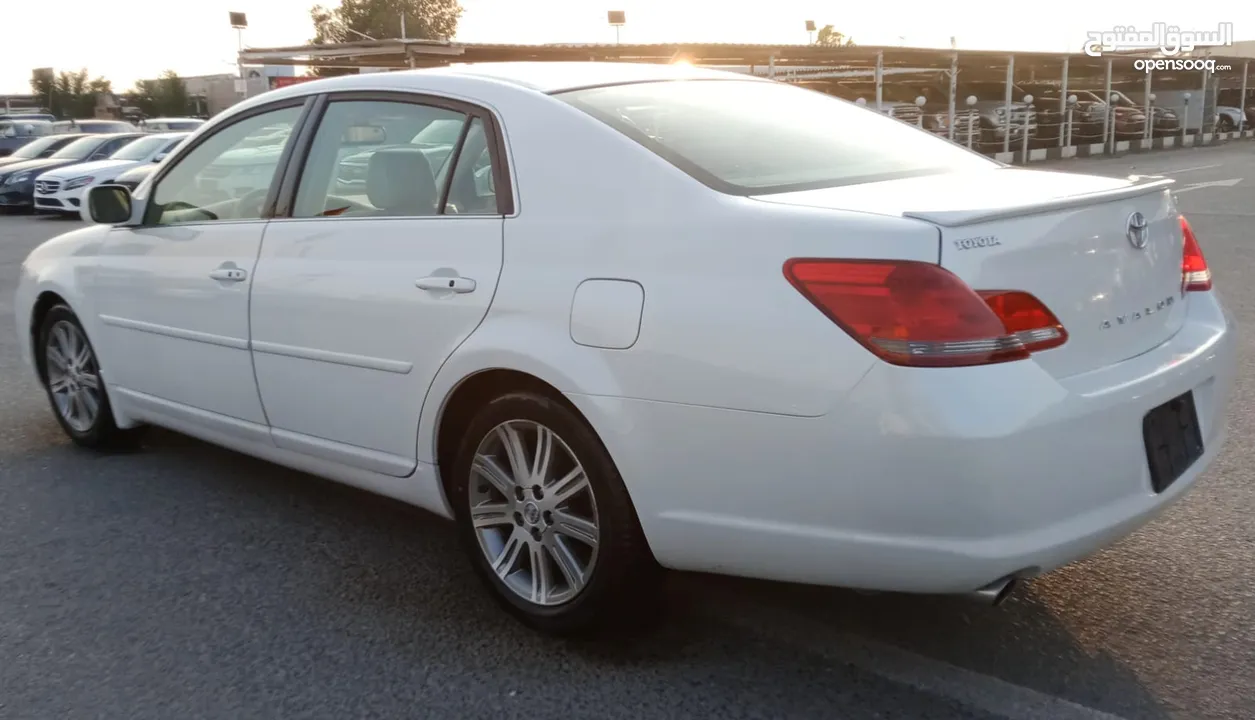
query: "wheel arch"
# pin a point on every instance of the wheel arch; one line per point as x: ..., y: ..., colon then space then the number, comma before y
x: 480, y: 370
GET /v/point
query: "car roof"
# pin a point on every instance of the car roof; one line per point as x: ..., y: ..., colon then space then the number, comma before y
x: 551, y: 77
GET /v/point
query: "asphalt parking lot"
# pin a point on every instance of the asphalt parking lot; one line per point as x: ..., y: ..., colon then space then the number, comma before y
x: 187, y: 581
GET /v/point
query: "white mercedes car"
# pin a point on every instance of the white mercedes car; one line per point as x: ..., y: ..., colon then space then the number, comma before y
x: 64, y: 189
x: 635, y: 317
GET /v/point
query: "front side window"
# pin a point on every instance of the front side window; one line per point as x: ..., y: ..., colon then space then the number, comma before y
x: 228, y: 176
x: 749, y: 137
x: 378, y: 159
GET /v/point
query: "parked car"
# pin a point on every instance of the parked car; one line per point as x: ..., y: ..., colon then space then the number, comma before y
x: 37, y: 149
x: 27, y: 114
x: 63, y: 190
x: 899, y: 101
x: 1228, y: 118
x: 868, y: 358
x: 1164, y: 120
x: 162, y: 125
x: 17, y: 133
x: 18, y: 190
x: 1129, y: 118
x: 93, y: 126
x: 995, y: 123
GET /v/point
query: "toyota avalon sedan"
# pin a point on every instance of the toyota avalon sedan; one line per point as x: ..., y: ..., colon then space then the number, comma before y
x: 637, y: 317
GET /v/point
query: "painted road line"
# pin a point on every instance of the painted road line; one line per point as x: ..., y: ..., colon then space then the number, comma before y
x: 1171, y: 171
x: 1209, y: 183
x: 971, y: 689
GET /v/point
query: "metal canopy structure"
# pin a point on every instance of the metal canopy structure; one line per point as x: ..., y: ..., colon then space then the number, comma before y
x: 1055, y: 74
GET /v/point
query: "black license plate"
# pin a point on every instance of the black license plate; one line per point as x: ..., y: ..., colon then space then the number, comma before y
x: 1173, y: 440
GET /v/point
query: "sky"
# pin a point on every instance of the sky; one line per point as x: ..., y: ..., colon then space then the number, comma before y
x: 126, y: 40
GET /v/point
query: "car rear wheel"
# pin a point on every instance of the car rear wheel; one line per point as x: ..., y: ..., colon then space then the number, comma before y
x: 547, y: 520
x: 75, y: 387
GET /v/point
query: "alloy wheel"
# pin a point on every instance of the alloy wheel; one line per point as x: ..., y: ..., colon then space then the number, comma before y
x: 534, y: 512
x: 73, y: 376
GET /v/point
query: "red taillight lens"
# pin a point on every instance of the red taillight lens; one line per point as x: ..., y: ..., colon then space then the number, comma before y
x: 922, y: 315
x: 1195, y: 276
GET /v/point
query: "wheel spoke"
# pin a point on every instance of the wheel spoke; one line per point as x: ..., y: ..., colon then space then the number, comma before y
x: 514, y: 450
x: 491, y: 470
x: 541, y: 582
x: 87, y: 401
x: 89, y: 381
x: 59, y: 384
x: 64, y: 343
x: 487, y: 515
x: 567, y: 564
x: 544, y: 453
x: 55, y: 358
x: 575, y: 527
x: 509, y: 556
x: 71, y: 415
x: 83, y: 354
x: 569, y: 486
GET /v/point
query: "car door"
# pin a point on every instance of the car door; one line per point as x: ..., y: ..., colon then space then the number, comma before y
x: 172, y: 290
x: 388, y: 262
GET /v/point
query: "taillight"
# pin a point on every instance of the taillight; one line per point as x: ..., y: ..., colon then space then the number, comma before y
x: 1195, y: 276
x: 922, y: 315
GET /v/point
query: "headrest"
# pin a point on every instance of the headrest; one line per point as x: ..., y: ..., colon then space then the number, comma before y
x: 400, y: 179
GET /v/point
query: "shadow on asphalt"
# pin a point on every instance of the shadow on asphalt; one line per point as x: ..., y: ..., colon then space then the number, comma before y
x: 357, y: 555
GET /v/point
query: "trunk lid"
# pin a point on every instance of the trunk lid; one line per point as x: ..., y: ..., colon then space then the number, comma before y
x: 1064, y: 238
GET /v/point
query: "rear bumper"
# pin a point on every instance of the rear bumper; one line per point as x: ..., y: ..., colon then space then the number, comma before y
x: 924, y: 481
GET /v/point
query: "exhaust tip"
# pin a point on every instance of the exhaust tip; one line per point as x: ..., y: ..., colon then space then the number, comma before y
x: 996, y: 592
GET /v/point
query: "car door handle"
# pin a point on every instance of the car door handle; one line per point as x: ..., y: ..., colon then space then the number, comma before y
x: 446, y: 283
x: 228, y: 274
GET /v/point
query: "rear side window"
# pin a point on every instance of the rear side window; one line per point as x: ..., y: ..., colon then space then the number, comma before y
x: 747, y: 137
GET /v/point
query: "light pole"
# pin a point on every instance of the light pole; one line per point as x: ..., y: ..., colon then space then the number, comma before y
x: 239, y: 21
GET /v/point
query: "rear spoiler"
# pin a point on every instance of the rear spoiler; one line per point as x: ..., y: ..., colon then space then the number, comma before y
x: 1138, y: 185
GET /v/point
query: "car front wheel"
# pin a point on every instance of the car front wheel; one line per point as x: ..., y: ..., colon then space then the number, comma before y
x: 75, y: 387
x: 547, y: 520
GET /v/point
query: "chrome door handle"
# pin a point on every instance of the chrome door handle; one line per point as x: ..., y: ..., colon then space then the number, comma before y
x: 228, y: 274
x: 446, y: 283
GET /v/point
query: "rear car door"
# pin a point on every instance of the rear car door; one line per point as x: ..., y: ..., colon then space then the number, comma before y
x: 172, y: 292
x: 388, y: 261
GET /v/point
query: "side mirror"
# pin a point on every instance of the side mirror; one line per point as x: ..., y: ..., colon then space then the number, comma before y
x: 109, y: 204
x: 159, y: 157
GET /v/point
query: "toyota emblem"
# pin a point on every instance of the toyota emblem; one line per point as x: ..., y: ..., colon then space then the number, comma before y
x: 1138, y: 231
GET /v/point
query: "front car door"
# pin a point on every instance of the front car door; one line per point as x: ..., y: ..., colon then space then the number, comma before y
x: 172, y: 291
x: 388, y: 262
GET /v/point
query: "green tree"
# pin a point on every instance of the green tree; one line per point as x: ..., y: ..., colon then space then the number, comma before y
x: 829, y: 37
x: 381, y: 19
x: 70, y: 95
x: 165, y: 96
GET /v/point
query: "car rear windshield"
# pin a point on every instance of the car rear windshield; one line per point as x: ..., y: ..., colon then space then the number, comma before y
x: 747, y: 137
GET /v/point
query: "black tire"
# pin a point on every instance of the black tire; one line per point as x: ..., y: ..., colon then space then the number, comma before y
x: 623, y: 587
x: 103, y: 433
x: 1224, y: 125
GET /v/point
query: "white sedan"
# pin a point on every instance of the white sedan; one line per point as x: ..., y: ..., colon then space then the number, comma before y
x: 638, y: 317
x: 64, y: 189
